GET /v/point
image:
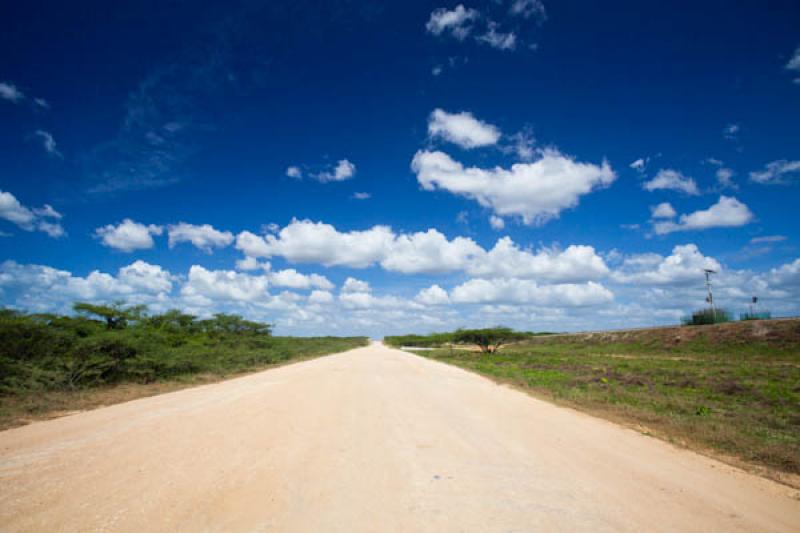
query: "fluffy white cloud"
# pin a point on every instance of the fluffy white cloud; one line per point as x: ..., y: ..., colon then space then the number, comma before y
x: 204, y: 287
x: 454, y: 21
x: 433, y: 295
x: 355, y: 285
x: 44, y: 219
x: 320, y: 297
x: 294, y: 172
x: 728, y: 212
x: 462, y: 129
x: 204, y: 236
x: 9, y: 92
x: 684, y: 266
x: 422, y: 252
x: 507, y: 260
x: 498, y: 39
x: 776, y: 172
x: 787, y: 275
x: 48, y: 142
x: 496, y: 222
x: 145, y: 277
x: 293, y: 279
x: 668, y: 179
x: 663, y: 210
x: 344, y: 170
x: 529, y: 292
x: 429, y: 251
x: 536, y: 192
x: 304, y: 241
x: 128, y: 235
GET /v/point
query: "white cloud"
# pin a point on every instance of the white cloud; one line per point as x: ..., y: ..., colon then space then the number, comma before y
x: 145, y: 277
x: 9, y: 92
x: 724, y: 178
x: 304, y: 241
x: 523, y: 145
x: 496, y: 222
x: 529, y: 292
x: 536, y: 192
x: 728, y: 212
x: 361, y: 196
x: 430, y: 252
x: 294, y: 172
x: 731, y: 131
x: 684, y: 266
x: 454, y: 21
x: 776, y: 172
x: 462, y: 129
x: 639, y: 165
x: 320, y: 297
x: 128, y: 235
x: 767, y: 238
x: 668, y: 179
x: 498, y: 39
x: 662, y: 210
x: 433, y: 295
x: 794, y: 62
x: 293, y: 279
x: 344, y: 170
x: 44, y: 219
x: 355, y: 285
x: 204, y: 236
x: 507, y: 260
x: 48, y: 142
x: 204, y: 287
x: 528, y: 8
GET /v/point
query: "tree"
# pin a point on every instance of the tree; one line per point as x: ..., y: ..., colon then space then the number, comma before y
x: 488, y: 340
x: 116, y: 315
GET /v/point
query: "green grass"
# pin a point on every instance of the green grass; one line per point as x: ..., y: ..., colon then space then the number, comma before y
x: 717, y: 390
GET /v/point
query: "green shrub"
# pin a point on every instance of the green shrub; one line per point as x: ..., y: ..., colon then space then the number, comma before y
x: 707, y: 316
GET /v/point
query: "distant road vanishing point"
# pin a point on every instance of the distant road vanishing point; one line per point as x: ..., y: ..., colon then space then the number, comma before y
x: 375, y: 440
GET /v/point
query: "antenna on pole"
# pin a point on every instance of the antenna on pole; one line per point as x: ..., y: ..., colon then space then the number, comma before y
x: 710, y: 297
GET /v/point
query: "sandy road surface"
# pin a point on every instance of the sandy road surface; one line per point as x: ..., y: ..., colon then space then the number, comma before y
x: 368, y: 440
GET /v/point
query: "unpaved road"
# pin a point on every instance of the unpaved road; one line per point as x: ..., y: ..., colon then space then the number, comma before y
x: 368, y: 440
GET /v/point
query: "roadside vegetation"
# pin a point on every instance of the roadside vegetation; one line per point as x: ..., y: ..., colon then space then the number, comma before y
x: 51, y: 363
x: 731, y: 389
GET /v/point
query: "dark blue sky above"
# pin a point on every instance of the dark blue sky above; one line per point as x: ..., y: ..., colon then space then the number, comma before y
x: 168, y: 112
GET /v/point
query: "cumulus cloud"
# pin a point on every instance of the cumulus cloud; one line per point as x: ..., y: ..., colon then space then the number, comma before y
x: 663, y: 210
x: 683, y: 266
x: 344, y: 170
x: 728, y: 212
x: 204, y: 287
x: 319, y: 297
x: 44, y: 219
x: 204, y: 236
x: 668, y: 179
x: 355, y: 285
x: 536, y: 192
x: 303, y: 241
x: 128, y: 235
x: 462, y: 129
x: 433, y: 295
x: 48, y: 143
x: 639, y: 165
x: 293, y: 279
x: 294, y: 172
x: 456, y: 21
x: 776, y: 172
x: 10, y: 92
x: 478, y: 291
x: 725, y: 178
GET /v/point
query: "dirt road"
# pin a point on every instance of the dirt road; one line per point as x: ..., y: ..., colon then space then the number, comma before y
x: 368, y: 440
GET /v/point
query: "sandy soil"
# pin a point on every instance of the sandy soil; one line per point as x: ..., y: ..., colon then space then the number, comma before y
x: 369, y: 440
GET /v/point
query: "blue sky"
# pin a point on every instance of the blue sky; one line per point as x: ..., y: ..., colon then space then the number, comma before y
x: 378, y: 168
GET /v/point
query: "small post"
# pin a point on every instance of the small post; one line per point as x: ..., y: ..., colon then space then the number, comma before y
x: 710, y: 297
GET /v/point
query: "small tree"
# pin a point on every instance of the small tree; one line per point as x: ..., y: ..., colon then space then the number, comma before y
x: 488, y: 340
x: 116, y: 315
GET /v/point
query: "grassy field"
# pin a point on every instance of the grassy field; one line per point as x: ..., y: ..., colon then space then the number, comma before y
x: 51, y: 364
x: 730, y: 389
